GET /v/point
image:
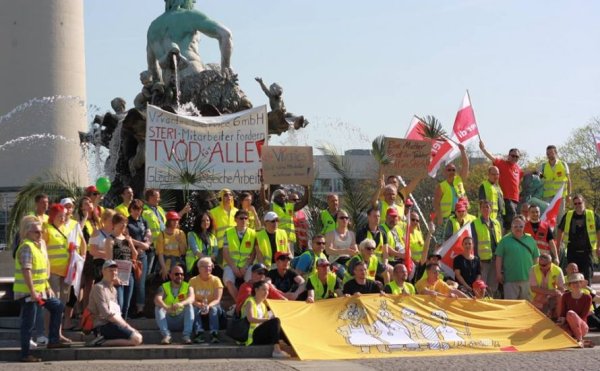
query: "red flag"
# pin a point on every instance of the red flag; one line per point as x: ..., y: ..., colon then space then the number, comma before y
x: 452, y: 248
x: 407, y: 255
x: 597, y: 141
x: 465, y: 126
x: 551, y: 212
x: 441, y: 150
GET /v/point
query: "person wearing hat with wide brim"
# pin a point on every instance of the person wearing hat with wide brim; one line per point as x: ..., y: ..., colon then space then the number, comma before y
x: 171, y: 244
x: 111, y: 328
x: 575, y: 308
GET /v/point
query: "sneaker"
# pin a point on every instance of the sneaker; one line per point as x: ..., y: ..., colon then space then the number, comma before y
x: 95, y: 342
x: 32, y: 344
x: 280, y: 354
x: 214, y: 338
x: 166, y: 340
x: 186, y: 340
x: 41, y: 340
x: 231, y: 311
x: 199, y: 339
x: 30, y: 359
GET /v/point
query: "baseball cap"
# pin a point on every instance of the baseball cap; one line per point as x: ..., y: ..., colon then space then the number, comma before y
x: 408, y: 202
x: 66, y: 201
x: 280, y: 255
x: 259, y: 267
x: 91, y: 189
x: 109, y: 264
x: 479, y: 284
x: 172, y: 215
x: 391, y: 211
x: 322, y: 262
x: 434, y: 255
x: 270, y: 216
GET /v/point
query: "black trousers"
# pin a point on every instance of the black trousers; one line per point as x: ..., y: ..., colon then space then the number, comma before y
x: 267, y: 332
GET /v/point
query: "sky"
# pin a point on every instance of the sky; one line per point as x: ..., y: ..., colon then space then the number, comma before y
x: 358, y: 70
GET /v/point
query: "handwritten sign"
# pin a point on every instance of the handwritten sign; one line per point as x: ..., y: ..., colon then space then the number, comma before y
x: 409, y: 158
x: 220, y: 152
x: 288, y: 165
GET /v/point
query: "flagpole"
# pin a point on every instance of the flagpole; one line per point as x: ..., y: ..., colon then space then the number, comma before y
x: 414, y: 202
x: 473, y: 109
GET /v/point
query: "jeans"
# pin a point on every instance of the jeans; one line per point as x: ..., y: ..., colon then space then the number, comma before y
x: 167, y: 323
x: 30, y: 311
x: 214, y: 314
x: 39, y: 329
x: 124, y: 294
x: 140, y: 285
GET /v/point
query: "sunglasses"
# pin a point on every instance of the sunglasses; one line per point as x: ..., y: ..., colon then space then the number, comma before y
x: 243, y: 218
x: 344, y: 217
x: 451, y: 170
x: 227, y: 194
x: 544, y: 265
x: 515, y: 156
x: 178, y: 274
x: 95, y: 193
x: 320, y: 243
x: 414, y: 220
x: 273, y: 221
x: 577, y: 203
x: 370, y: 248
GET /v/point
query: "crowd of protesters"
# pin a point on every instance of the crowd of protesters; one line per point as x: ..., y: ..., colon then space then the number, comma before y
x: 252, y: 255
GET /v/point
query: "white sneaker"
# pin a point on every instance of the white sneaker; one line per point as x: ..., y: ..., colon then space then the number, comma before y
x: 280, y: 354
x: 32, y: 344
x: 42, y: 340
x: 166, y: 340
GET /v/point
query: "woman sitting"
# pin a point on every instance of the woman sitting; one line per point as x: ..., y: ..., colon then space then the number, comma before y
x: 264, y: 329
x: 574, y: 309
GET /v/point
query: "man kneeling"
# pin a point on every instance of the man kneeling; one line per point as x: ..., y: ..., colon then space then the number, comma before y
x: 111, y: 327
x: 174, y: 310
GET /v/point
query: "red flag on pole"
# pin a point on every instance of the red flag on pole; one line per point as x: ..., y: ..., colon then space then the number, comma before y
x: 551, y: 212
x: 452, y: 248
x: 465, y: 126
x: 407, y: 255
x: 441, y: 150
x: 597, y: 142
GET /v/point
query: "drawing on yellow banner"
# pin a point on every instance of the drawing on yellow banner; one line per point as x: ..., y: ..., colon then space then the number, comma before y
x: 449, y: 333
x: 422, y: 332
x: 357, y: 332
x: 391, y: 331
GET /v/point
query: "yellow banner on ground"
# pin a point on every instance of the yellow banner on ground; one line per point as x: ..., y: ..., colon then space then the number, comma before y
x: 404, y: 326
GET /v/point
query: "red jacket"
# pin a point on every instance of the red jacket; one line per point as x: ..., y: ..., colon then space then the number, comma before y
x: 246, y: 289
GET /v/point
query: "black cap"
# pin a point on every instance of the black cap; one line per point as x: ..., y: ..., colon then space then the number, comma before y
x: 258, y: 267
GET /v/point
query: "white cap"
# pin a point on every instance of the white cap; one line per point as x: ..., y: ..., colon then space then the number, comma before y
x: 270, y: 216
x: 67, y: 200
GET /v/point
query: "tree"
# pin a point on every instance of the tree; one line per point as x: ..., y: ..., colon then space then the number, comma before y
x: 579, y: 151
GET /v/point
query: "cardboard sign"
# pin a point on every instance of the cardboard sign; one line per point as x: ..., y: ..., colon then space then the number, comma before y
x: 288, y: 165
x: 409, y: 158
x: 124, y: 271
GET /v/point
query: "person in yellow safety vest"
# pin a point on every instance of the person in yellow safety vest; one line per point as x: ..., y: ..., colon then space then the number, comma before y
x: 450, y: 189
x: 486, y: 233
x: 555, y: 174
x: 419, y: 246
x: 264, y: 328
x: 383, y: 198
x: 398, y: 285
x: 245, y: 202
x: 96, y: 197
x: 153, y: 213
x: 328, y: 217
x: 306, y: 263
x: 490, y: 190
x: 373, y: 231
x: 239, y: 252
x: 323, y: 284
x: 458, y: 220
x: 547, y: 284
x: 201, y: 243
x: 57, y: 245
x: 223, y: 216
x: 394, y: 234
x: 32, y: 289
x: 374, y: 267
x: 171, y: 244
x: 127, y: 197
x: 173, y: 306
x: 41, y: 206
x: 579, y: 229
x: 271, y: 240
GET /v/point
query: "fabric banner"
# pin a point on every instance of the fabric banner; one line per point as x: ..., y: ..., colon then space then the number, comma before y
x: 442, y: 151
x: 596, y: 139
x: 551, y: 213
x: 465, y: 126
x: 185, y: 152
x: 404, y: 326
x: 451, y: 248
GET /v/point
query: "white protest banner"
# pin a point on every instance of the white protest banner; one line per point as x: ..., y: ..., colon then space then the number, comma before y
x: 124, y: 271
x: 288, y: 165
x: 220, y: 152
x: 409, y: 158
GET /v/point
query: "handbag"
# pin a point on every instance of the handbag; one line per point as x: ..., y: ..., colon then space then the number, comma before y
x: 238, y: 330
x: 87, y: 322
x: 137, y: 269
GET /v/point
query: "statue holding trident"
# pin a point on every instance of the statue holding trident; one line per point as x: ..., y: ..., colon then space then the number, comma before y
x: 172, y: 42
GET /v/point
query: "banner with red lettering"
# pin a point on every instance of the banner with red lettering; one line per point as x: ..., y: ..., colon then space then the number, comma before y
x: 465, y: 126
x: 185, y: 152
x: 442, y: 151
x: 452, y: 248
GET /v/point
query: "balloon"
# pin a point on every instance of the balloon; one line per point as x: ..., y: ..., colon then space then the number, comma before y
x: 103, y: 184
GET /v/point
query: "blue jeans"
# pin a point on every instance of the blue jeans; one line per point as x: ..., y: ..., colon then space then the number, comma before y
x: 167, y: 323
x: 124, y: 294
x: 214, y: 313
x: 30, y: 311
x: 140, y: 285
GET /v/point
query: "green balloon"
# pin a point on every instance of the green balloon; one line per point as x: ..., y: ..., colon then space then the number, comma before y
x: 103, y: 184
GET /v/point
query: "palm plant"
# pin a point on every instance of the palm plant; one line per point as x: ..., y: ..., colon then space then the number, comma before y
x: 432, y: 129
x: 56, y: 186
